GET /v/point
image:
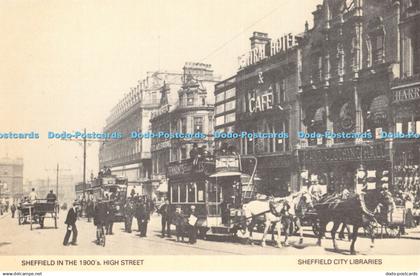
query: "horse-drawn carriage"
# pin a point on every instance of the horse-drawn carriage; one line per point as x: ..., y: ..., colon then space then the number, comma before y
x: 37, y: 211
x: 390, y: 223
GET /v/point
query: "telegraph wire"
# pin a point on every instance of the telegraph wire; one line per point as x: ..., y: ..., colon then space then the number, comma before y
x: 241, y: 32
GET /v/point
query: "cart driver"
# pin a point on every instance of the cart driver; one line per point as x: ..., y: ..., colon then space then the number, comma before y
x: 315, y: 190
x: 33, y: 196
x: 51, y: 197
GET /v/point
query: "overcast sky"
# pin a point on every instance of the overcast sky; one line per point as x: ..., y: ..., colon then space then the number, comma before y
x: 65, y: 64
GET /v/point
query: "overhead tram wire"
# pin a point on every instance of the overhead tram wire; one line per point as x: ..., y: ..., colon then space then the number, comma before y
x: 241, y: 32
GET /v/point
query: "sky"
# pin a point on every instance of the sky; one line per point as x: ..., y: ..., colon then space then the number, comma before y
x: 65, y: 64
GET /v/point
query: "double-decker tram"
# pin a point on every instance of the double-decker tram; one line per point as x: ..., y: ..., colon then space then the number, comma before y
x: 215, y: 186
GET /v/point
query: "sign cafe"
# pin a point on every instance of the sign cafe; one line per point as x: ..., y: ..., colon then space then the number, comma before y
x: 263, y: 102
x: 407, y: 94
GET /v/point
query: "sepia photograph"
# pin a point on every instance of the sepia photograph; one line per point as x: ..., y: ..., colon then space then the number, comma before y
x: 201, y: 129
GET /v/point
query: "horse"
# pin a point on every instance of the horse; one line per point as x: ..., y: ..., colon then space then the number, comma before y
x: 357, y: 210
x: 300, y: 202
x: 269, y: 212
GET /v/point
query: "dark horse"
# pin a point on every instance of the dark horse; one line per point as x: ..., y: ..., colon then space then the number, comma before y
x: 357, y: 210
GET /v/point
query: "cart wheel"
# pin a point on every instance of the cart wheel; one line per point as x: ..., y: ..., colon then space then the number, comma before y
x: 19, y: 219
x: 393, y: 231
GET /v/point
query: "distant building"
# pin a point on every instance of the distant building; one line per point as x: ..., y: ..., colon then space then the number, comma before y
x: 191, y: 112
x: 11, y: 177
x: 130, y: 157
x: 267, y: 85
x: 225, y: 110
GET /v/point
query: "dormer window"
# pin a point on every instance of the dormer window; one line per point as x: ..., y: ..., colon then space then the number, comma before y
x: 190, y: 99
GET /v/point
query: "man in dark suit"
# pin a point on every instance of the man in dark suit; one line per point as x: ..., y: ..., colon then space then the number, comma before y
x: 144, y: 217
x: 71, y: 226
x: 192, y: 225
x: 165, y: 211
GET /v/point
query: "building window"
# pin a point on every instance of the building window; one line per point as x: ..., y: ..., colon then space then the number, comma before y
x: 230, y: 93
x: 198, y: 124
x: 378, y: 49
x: 280, y: 89
x: 220, y: 120
x: 154, y: 97
x: 220, y: 108
x: 416, y: 52
x: 230, y: 105
x: 220, y: 97
x: 316, y: 68
x: 183, y: 153
x: 230, y: 118
x: 174, y: 192
x: 190, y: 99
x: 183, y: 123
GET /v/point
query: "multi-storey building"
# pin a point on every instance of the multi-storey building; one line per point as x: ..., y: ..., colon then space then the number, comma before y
x: 130, y: 157
x: 225, y: 110
x: 405, y: 98
x: 348, y: 59
x: 190, y: 113
x: 266, y: 103
x: 11, y: 177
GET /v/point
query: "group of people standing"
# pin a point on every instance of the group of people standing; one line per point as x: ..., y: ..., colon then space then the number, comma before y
x: 185, y: 221
x: 139, y: 207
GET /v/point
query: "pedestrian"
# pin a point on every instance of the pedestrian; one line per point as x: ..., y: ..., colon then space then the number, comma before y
x: 13, y: 209
x: 71, y: 226
x: 90, y: 207
x: 99, y: 218
x: 180, y: 223
x: 109, y: 218
x: 129, y: 210
x: 192, y: 224
x: 144, y: 217
x: 165, y: 212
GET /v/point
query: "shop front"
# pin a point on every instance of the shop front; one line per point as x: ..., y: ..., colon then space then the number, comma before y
x: 406, y: 113
x: 278, y: 174
x: 346, y: 166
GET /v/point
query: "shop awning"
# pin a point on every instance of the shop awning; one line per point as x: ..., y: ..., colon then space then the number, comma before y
x: 379, y: 104
x: 221, y: 174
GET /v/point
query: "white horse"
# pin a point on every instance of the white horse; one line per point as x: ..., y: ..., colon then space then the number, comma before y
x: 269, y: 212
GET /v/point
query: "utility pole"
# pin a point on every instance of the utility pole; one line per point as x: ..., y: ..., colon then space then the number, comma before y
x: 84, y: 165
x: 57, y: 171
x: 56, y: 187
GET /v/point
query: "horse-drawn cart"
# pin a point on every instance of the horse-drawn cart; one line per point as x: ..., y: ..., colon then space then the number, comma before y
x: 390, y: 224
x: 36, y: 212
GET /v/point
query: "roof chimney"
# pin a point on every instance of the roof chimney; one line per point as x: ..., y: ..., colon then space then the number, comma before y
x: 259, y: 39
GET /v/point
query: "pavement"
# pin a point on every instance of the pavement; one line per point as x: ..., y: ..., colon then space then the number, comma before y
x: 20, y: 240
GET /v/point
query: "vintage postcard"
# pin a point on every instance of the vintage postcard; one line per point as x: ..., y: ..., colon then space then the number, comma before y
x: 193, y: 135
